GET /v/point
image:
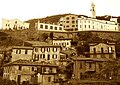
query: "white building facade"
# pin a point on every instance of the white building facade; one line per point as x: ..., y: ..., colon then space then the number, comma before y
x: 92, y: 24
x: 48, y: 27
x: 64, y: 43
x: 13, y: 24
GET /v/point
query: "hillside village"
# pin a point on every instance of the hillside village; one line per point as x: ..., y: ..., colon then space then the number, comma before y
x: 65, y: 49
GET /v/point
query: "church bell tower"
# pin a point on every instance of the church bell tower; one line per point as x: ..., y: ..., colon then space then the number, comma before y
x: 93, y: 11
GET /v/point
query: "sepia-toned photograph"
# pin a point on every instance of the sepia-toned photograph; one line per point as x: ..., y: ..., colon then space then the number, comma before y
x: 59, y: 42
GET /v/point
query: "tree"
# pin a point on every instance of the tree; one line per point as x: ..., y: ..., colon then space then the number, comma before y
x: 44, y: 36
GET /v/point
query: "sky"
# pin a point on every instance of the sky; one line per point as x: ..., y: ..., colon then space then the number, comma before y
x: 29, y: 9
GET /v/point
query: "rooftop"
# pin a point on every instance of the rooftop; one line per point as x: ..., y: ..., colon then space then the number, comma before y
x: 29, y: 63
x: 62, y: 38
x: 91, y: 59
x: 38, y: 43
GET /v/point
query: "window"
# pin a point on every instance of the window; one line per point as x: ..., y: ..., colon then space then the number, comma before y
x: 6, y: 24
x: 48, y: 57
x: 54, y: 56
x: 90, y: 65
x: 49, y: 79
x: 20, y: 67
x: 19, y: 51
x: 43, y: 55
x: 109, y: 49
x: 73, y: 21
x: 67, y: 43
x: 44, y: 69
x: 36, y: 49
x: 55, y: 28
x: 40, y: 55
x: 80, y: 26
x: 48, y: 49
x: 16, y: 51
x: 101, y: 50
x: 67, y: 18
x: 89, y: 26
x: 51, y: 27
x: 81, y: 76
x: 50, y: 70
x: 94, y: 50
x: 76, y: 21
x: 67, y: 26
x: 46, y: 26
x: 73, y: 17
x: 15, y: 22
x: 36, y: 57
x: 42, y: 49
x: 25, y: 51
x: 85, y: 26
x: 32, y: 68
x: 41, y: 26
x: 67, y: 21
x: 73, y: 25
x: 60, y: 28
x: 54, y: 49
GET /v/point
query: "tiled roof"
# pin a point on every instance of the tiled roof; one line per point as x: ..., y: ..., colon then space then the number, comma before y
x: 29, y: 63
x: 38, y: 43
x: 68, y: 52
x: 22, y: 47
x: 62, y: 38
x: 96, y: 43
x: 91, y: 59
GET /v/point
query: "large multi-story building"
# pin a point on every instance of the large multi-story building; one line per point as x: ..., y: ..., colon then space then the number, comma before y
x: 43, y: 51
x: 85, y: 66
x: 61, y: 23
x: 13, y: 24
x: 93, y: 23
x: 40, y: 73
x: 69, y: 22
x: 48, y: 27
x: 36, y: 51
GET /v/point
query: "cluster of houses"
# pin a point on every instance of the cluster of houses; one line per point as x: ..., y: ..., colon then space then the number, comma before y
x: 66, y: 22
x: 46, y: 63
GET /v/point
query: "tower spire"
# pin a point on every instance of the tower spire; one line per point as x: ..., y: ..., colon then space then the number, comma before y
x: 93, y: 11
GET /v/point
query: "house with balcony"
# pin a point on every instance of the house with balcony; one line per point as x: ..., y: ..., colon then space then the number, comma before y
x: 40, y: 73
x: 43, y: 51
x: 100, y: 53
x: 102, y: 50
